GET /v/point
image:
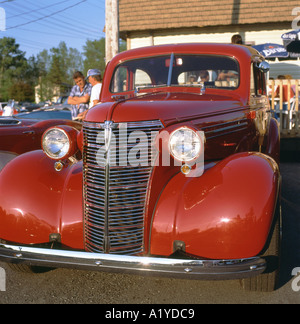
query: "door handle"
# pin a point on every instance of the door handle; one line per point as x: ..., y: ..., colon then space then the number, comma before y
x: 29, y: 132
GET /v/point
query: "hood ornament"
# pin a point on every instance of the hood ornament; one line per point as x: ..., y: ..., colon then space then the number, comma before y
x: 108, y: 126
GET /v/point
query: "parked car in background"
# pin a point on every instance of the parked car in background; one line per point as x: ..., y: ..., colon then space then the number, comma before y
x: 46, y: 114
x: 2, y: 106
x: 29, y: 106
x: 20, y: 135
x: 10, y: 109
x: 61, y: 105
x: 179, y: 175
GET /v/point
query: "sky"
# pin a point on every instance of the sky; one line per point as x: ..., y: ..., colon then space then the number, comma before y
x: 42, y: 24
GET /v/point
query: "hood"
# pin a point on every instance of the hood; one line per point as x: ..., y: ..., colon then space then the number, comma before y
x: 12, y: 122
x: 168, y: 107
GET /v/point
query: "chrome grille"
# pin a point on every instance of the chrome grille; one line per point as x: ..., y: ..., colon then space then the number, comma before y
x: 114, y: 188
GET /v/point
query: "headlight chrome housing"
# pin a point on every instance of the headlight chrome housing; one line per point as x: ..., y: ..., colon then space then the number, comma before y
x: 185, y: 144
x: 59, y: 143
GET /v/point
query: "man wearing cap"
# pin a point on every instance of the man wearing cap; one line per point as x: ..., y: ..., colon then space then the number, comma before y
x: 80, y: 95
x: 94, y: 78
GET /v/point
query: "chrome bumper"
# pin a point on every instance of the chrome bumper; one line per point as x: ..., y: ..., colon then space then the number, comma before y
x: 180, y: 268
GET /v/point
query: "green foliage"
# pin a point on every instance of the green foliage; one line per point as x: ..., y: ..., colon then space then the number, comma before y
x: 14, y: 68
x: 94, y: 52
x: 56, y: 68
x: 49, y: 70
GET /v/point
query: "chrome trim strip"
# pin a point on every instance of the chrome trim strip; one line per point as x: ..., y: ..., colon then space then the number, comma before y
x: 225, y: 128
x: 8, y: 121
x: 182, y: 268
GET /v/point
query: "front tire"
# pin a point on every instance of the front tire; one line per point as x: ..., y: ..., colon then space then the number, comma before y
x: 28, y: 269
x: 267, y: 281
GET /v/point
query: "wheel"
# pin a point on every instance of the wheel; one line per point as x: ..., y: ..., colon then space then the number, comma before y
x: 28, y: 269
x: 267, y: 281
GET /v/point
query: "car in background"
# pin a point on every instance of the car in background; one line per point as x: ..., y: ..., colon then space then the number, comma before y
x: 19, y: 135
x: 3, y: 104
x: 11, y: 108
x: 61, y: 104
x: 46, y: 114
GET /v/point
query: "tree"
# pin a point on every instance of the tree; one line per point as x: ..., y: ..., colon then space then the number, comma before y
x: 94, y: 52
x: 49, y: 69
x: 56, y: 69
x: 13, y: 66
x: 21, y: 91
x: 67, y: 60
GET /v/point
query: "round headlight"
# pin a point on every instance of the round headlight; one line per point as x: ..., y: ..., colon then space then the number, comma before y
x: 56, y: 143
x: 185, y: 144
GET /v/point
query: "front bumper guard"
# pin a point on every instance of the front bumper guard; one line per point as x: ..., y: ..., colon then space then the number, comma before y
x: 179, y: 268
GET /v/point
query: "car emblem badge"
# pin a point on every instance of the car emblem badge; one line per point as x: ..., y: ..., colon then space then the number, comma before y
x: 108, y: 125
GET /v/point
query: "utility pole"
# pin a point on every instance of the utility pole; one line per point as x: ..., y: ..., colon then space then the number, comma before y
x: 111, y: 29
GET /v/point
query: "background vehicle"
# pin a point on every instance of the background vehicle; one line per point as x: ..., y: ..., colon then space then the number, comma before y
x: 19, y: 135
x: 179, y: 174
x: 46, y: 114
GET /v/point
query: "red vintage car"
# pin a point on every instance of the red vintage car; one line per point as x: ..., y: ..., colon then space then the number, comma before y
x: 179, y: 175
x: 19, y: 135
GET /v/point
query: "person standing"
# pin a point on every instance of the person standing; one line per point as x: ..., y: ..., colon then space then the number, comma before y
x: 80, y: 95
x: 94, y: 78
x: 237, y: 39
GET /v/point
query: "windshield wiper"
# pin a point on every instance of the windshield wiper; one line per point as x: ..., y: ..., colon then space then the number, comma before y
x: 171, y: 69
x: 138, y: 89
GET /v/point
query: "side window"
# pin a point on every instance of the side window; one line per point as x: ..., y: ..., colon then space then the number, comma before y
x: 142, y: 79
x: 120, y: 81
x: 258, y: 82
x: 126, y: 80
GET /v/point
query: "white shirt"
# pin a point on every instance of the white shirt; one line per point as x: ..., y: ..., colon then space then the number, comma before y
x: 8, y: 111
x: 95, y: 94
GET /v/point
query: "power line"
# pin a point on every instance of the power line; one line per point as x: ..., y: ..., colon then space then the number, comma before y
x: 47, y: 16
x: 35, y: 10
x: 62, y: 26
x: 67, y: 24
x: 53, y: 34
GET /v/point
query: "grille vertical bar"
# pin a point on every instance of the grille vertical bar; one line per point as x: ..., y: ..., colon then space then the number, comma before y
x: 115, y: 189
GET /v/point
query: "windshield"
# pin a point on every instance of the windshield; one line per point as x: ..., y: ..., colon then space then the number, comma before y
x: 210, y: 71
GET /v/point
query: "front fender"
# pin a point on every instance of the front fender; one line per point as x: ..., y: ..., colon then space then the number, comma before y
x: 37, y: 201
x: 226, y: 213
x: 6, y: 157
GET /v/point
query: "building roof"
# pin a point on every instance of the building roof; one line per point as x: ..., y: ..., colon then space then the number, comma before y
x: 142, y: 15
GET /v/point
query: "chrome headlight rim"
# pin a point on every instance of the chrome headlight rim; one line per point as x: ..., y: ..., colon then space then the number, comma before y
x: 63, y: 152
x: 184, y: 157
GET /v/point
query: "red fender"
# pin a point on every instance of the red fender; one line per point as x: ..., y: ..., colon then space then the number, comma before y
x: 37, y: 201
x: 226, y: 213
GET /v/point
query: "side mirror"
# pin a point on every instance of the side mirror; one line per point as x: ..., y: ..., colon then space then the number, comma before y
x: 264, y: 66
